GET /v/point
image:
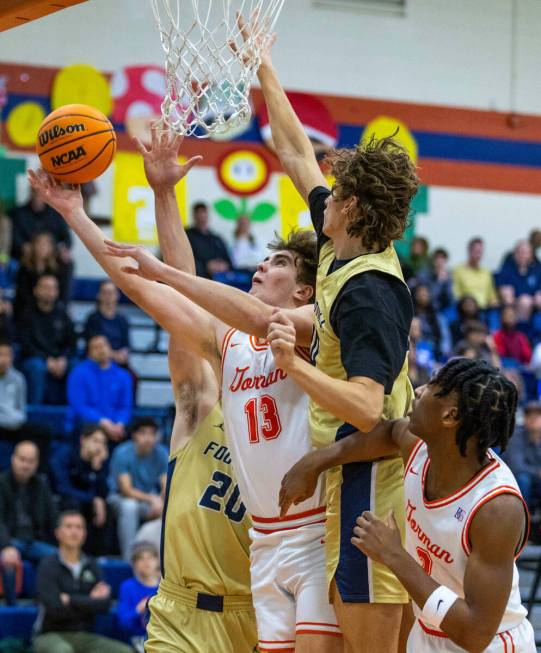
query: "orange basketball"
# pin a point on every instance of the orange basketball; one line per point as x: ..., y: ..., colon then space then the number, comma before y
x: 76, y: 143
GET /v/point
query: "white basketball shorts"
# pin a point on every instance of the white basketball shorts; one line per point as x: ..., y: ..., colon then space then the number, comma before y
x: 289, y: 586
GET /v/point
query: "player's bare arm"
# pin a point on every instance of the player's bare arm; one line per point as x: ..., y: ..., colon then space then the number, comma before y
x: 385, y: 440
x: 357, y: 401
x: 198, y: 331
x: 495, y: 534
x: 229, y: 305
x: 293, y: 146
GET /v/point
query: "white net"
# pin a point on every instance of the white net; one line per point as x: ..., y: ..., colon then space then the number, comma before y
x: 208, y: 81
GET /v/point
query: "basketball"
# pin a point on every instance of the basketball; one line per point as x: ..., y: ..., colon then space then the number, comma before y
x: 76, y: 143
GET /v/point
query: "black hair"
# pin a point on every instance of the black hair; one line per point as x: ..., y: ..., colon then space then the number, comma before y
x: 69, y: 513
x: 143, y: 422
x: 89, y: 429
x: 6, y: 342
x: 198, y: 206
x: 487, y: 403
x: 475, y: 241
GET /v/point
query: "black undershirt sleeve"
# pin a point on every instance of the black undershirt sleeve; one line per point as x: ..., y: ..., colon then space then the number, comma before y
x: 371, y: 316
x: 316, y: 202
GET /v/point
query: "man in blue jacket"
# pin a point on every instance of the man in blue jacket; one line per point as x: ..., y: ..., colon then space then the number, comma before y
x: 100, y: 392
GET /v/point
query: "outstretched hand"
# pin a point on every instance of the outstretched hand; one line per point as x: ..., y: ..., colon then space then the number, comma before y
x: 148, y: 266
x: 255, y: 37
x: 162, y: 167
x: 64, y: 199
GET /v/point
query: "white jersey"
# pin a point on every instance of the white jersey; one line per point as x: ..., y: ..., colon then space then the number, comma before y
x: 266, y: 422
x: 437, y: 532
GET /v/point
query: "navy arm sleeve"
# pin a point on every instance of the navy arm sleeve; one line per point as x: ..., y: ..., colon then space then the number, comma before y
x: 372, y: 316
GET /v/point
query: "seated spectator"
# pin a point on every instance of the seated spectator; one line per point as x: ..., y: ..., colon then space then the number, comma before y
x: 135, y: 592
x: 520, y: 276
x: 418, y: 260
x: 536, y: 364
x: 27, y: 516
x: 477, y: 344
x: 7, y: 331
x: 432, y: 327
x: 137, y: 481
x: 39, y: 258
x: 535, y: 242
x: 8, y: 265
x: 467, y: 310
x: 80, y: 478
x: 471, y: 279
x: 421, y: 359
x: 14, y: 426
x: 510, y: 342
x: 246, y: 251
x: 71, y: 594
x: 523, y: 455
x: 209, y: 250
x: 37, y: 217
x: 437, y: 277
x: 100, y: 392
x: 107, y: 321
x: 48, y: 344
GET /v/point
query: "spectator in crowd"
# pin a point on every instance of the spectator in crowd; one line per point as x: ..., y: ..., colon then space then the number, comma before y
x: 520, y: 277
x: 80, y: 478
x: 246, y: 252
x: 467, y: 310
x: 48, y: 344
x: 418, y: 260
x: 135, y: 592
x: 71, y: 593
x: 535, y: 242
x: 137, y: 481
x: 209, y: 250
x: 107, y: 321
x: 27, y: 516
x: 510, y: 342
x: 34, y: 217
x: 474, y: 280
x: 39, y: 258
x: 8, y: 265
x: 477, y: 344
x: 432, y: 327
x: 523, y: 455
x: 7, y: 332
x: 100, y: 392
x: 14, y: 426
x: 421, y: 359
x: 536, y: 364
x: 437, y: 277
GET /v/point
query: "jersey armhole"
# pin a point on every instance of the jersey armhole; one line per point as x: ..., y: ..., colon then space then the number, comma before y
x: 504, y: 489
x: 411, y: 458
x: 225, y: 344
x: 304, y: 353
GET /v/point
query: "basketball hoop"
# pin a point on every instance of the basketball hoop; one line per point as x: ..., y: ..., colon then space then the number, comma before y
x: 208, y: 82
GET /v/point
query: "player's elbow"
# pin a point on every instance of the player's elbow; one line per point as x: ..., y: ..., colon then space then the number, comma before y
x: 474, y: 640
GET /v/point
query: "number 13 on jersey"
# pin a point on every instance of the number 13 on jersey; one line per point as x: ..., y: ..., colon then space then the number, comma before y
x: 263, y: 419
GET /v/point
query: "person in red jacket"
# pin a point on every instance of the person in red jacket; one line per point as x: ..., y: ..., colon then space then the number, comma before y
x: 510, y: 342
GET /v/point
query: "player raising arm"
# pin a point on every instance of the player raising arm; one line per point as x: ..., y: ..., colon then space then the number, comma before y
x: 466, y: 521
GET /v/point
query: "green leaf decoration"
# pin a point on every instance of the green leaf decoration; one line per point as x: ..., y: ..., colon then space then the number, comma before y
x: 227, y: 209
x: 263, y: 211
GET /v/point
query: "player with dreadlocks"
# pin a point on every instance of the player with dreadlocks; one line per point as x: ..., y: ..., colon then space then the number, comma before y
x: 466, y: 521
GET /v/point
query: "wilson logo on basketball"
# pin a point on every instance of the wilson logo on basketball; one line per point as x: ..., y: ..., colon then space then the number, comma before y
x: 68, y: 157
x: 49, y: 135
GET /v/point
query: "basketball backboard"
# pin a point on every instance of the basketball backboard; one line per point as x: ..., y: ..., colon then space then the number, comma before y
x: 18, y: 12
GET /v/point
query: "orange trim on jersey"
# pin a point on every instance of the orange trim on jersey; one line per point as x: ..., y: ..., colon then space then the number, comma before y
x: 412, y: 455
x: 445, y: 501
x: 315, y: 623
x: 502, y: 489
x: 431, y: 631
x: 269, y: 531
x: 256, y: 345
x: 276, y: 641
x: 276, y: 650
x: 225, y: 344
x: 500, y: 635
x: 297, y: 515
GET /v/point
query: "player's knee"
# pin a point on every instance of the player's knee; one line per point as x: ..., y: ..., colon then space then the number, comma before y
x: 129, y: 507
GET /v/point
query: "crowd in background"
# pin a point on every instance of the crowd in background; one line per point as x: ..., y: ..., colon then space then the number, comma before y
x: 107, y: 479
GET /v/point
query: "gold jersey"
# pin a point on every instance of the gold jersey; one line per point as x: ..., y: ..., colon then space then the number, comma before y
x: 205, y: 542
x: 382, y: 481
